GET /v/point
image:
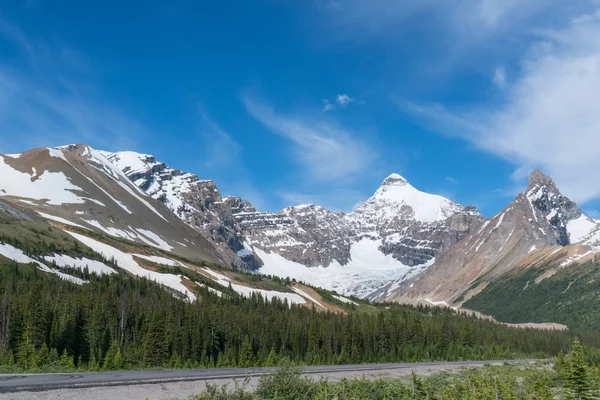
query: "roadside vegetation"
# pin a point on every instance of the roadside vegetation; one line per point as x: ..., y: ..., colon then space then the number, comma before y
x: 569, y: 377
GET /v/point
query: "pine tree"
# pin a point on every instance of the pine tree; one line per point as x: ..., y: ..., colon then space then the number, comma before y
x: 577, y: 383
x: 246, y: 354
x: 272, y: 359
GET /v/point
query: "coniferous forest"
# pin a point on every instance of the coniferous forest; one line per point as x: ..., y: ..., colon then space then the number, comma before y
x: 118, y: 322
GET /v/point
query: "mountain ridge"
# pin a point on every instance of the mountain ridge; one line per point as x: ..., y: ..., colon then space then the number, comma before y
x: 401, y: 244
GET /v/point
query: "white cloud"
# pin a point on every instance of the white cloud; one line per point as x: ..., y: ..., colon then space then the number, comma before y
x: 343, y: 100
x: 551, y: 116
x: 324, y: 151
x: 328, y: 106
x: 499, y: 78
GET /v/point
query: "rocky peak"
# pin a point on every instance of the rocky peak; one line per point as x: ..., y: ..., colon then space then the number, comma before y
x: 394, y: 179
x: 548, y: 204
x: 538, y: 178
x: 239, y: 205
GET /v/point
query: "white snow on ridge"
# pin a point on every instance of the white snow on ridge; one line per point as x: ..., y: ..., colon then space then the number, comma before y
x: 129, y: 160
x: 368, y: 270
x: 97, y: 267
x: 14, y: 155
x: 579, y: 228
x: 126, y: 262
x: 57, y: 153
x: 53, y: 186
x: 17, y: 255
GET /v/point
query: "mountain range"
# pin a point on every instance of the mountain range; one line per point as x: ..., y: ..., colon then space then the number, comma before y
x: 401, y: 245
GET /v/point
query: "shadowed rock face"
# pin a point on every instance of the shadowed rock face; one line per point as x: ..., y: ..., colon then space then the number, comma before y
x: 538, y: 217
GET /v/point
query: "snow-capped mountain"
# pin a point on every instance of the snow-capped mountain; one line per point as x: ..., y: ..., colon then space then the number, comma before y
x: 539, y: 218
x: 401, y: 244
x: 395, y: 234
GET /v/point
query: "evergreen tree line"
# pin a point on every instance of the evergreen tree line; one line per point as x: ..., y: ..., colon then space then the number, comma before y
x: 119, y: 322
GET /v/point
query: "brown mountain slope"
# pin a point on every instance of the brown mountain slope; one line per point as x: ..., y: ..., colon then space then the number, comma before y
x: 76, y: 185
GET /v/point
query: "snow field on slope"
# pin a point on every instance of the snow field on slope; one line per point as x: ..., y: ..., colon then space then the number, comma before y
x: 368, y: 270
x: 344, y: 300
x: 54, y: 186
x: 579, y: 228
x: 308, y: 296
x: 96, y: 267
x: 17, y: 255
x: 126, y: 262
x: 246, y: 291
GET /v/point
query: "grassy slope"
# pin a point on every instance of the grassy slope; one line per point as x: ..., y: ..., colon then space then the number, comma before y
x: 570, y: 297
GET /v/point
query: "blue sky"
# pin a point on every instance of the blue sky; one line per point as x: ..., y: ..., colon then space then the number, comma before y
x: 316, y: 101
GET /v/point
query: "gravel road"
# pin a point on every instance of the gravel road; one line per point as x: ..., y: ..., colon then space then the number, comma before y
x: 166, y: 384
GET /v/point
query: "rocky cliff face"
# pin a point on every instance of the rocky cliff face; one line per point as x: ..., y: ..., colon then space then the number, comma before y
x: 197, y: 202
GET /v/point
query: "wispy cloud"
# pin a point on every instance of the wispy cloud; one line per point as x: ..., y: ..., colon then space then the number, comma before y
x: 499, y: 77
x: 324, y: 151
x: 219, y: 148
x: 550, y: 118
x: 341, y: 101
x: 327, y: 106
x: 48, y: 100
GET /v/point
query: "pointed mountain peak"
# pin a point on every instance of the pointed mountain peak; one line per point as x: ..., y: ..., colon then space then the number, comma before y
x: 538, y: 178
x: 394, y: 180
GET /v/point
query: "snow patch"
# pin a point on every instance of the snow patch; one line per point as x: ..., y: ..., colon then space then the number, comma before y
x: 344, y: 300
x: 56, y: 153
x: 579, y: 228
x: 55, y: 187
x: 96, y: 267
x: 308, y: 296
x: 159, y: 242
x: 17, y: 255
